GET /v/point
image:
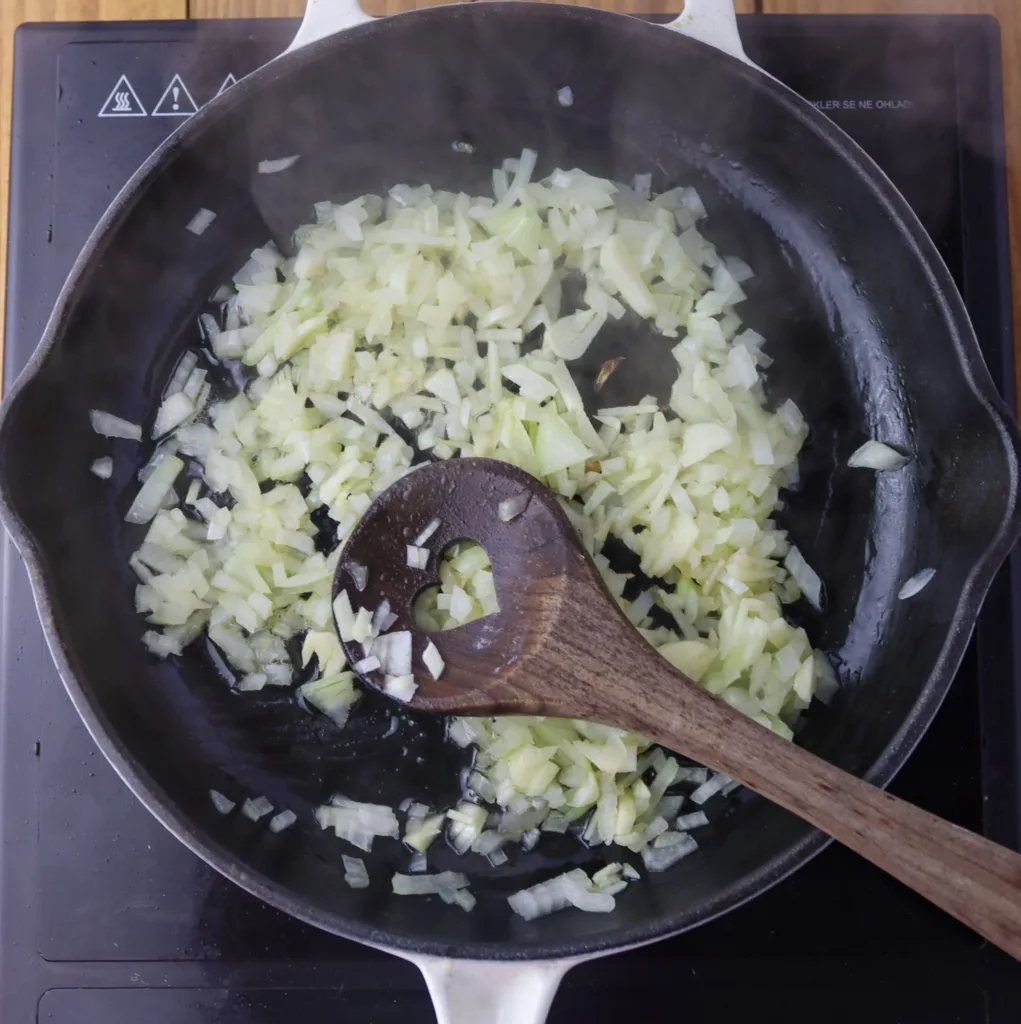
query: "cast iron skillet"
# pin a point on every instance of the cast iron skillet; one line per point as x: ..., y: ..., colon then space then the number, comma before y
x: 868, y: 334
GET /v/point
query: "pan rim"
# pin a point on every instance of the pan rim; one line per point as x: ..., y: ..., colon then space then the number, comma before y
x: 881, y: 772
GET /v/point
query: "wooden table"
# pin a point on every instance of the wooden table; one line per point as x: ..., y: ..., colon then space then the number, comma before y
x: 13, y: 12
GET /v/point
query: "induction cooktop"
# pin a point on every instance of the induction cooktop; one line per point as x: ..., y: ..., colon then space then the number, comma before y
x: 105, y: 918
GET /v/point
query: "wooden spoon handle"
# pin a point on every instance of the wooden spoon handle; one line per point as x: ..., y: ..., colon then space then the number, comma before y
x: 971, y: 878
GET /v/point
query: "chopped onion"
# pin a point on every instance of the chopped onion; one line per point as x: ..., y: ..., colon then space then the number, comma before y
x: 826, y: 682
x: 710, y: 788
x: 256, y: 808
x: 430, y: 528
x: 433, y: 660
x: 878, y: 456
x: 355, y: 873
x: 366, y: 665
x: 201, y: 221
x: 693, y: 820
x: 103, y: 467
x: 805, y: 576
x: 565, y: 96
x: 223, y: 804
x: 356, y: 822
x: 418, y: 864
x: 359, y: 575
x: 276, y: 166
x: 401, y: 688
x: 428, y: 885
x: 573, y: 888
x: 418, y: 558
x: 394, y: 653
x: 281, y: 821
x: 176, y: 409
x: 108, y: 425
x: 366, y: 324
x: 916, y: 583
x: 150, y: 497
x: 380, y: 617
x: 659, y: 859
x: 511, y: 508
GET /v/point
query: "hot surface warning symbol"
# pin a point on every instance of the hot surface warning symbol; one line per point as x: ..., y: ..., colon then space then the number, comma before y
x: 176, y: 101
x: 123, y: 101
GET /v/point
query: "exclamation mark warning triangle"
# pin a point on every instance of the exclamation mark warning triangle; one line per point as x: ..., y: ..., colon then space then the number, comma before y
x: 176, y: 101
x: 123, y: 101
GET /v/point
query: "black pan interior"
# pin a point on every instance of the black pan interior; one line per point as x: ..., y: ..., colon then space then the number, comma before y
x: 867, y: 333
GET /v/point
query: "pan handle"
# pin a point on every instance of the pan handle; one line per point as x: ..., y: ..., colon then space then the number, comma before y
x: 713, y: 22
x: 492, y: 991
x: 324, y: 17
x: 709, y: 21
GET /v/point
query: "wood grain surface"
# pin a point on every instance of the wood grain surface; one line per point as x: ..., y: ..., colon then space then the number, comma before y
x: 14, y: 12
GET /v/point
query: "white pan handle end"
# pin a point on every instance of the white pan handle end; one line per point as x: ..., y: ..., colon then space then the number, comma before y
x: 491, y: 991
x: 713, y: 22
x: 325, y: 17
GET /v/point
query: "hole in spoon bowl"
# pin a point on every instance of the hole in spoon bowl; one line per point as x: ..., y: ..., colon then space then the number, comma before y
x: 466, y: 590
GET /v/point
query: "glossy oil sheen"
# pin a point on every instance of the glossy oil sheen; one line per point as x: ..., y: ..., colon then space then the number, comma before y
x: 867, y: 333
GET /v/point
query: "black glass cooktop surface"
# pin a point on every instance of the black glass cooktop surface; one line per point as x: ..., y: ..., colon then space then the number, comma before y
x: 105, y: 918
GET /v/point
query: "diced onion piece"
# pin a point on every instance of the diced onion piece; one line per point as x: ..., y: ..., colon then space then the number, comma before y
x: 256, y: 808
x: 433, y: 660
x: 345, y: 617
x: 418, y: 863
x: 108, y: 425
x: 826, y: 682
x: 805, y: 577
x: 222, y: 803
x: 620, y: 268
x: 710, y: 788
x: 276, y: 166
x: 571, y: 336
x: 916, y: 583
x: 380, y: 617
x: 175, y: 410
x: 358, y: 823
x: 394, y: 652
x: 510, y: 508
x: 565, y: 96
x: 359, y: 575
x: 701, y: 440
x: 418, y: 558
x: 662, y: 858
x: 201, y: 221
x: 281, y: 821
x: 421, y: 830
x: 694, y: 820
x: 878, y: 456
x: 401, y: 688
x: 369, y: 664
x: 573, y: 888
x: 428, y: 885
x: 152, y: 493
x: 103, y: 467
x: 355, y: 873
x: 427, y: 531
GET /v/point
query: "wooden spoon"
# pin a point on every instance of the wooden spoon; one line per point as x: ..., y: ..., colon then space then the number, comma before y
x: 560, y: 646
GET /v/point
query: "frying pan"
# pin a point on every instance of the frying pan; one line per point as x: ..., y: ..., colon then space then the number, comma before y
x: 868, y: 334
